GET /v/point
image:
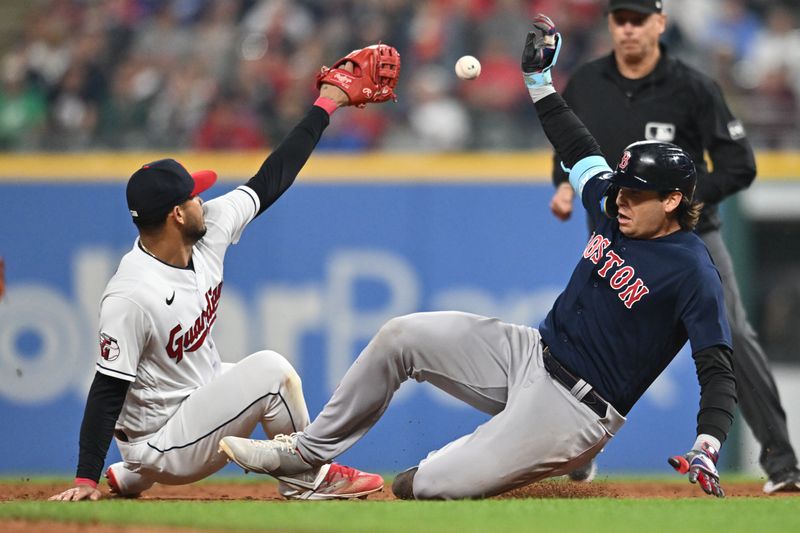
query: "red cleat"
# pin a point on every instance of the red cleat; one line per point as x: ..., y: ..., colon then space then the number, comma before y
x: 340, y: 482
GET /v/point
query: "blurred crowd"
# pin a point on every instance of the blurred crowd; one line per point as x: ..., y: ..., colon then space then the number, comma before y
x: 237, y: 74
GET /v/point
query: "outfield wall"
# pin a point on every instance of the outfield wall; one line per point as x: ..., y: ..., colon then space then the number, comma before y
x: 356, y: 241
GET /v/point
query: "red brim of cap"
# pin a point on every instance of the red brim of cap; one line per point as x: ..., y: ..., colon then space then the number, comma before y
x: 203, y: 179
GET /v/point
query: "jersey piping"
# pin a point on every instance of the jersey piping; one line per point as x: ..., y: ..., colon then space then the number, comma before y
x: 181, y: 446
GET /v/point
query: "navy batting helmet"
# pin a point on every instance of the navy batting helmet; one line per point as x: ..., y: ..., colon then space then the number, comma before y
x: 656, y: 166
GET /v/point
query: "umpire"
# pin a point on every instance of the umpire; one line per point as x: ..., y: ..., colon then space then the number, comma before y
x: 637, y: 92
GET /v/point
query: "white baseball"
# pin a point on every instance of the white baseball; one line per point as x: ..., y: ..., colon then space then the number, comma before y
x: 468, y: 68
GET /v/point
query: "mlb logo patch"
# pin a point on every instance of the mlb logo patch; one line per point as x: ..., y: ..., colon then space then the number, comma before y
x: 659, y: 131
x: 736, y: 130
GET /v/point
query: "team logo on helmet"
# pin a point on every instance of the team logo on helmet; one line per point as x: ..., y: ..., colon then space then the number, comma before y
x: 109, y: 349
x: 626, y: 157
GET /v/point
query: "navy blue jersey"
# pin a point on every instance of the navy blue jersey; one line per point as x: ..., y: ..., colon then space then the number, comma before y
x: 631, y: 304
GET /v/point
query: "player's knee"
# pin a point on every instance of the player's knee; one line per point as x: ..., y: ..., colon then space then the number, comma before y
x: 429, y: 487
x: 439, y: 482
x: 277, y: 366
x: 396, y: 334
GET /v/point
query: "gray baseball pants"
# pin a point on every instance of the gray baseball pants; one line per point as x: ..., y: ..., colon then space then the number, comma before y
x: 538, y: 429
x: 755, y: 386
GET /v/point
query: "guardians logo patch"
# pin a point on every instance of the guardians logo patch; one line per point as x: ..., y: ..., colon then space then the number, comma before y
x: 109, y: 349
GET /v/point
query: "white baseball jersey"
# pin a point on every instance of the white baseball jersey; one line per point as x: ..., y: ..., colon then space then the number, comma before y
x: 156, y: 319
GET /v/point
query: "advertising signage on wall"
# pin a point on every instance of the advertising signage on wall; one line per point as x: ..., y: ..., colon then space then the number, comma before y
x: 313, y: 278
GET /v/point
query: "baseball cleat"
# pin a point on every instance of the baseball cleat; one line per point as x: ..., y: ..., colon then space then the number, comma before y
x: 115, y: 475
x: 338, y: 482
x: 584, y: 474
x: 278, y: 457
x: 784, y: 481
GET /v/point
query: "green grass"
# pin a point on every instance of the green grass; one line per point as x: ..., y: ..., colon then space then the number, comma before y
x: 595, y: 515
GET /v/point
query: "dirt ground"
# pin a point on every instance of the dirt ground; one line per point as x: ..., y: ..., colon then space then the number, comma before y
x: 268, y: 492
x: 222, y: 490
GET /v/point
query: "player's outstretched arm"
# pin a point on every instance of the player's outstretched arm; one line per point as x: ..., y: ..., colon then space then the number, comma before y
x: 103, y: 406
x: 365, y: 76
x: 714, y: 419
x: 701, y: 465
x: 573, y: 142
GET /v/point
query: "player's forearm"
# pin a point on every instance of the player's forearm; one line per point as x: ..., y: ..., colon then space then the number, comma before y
x: 717, y: 391
x: 280, y: 169
x: 559, y: 174
x: 103, y: 406
x: 733, y: 171
x: 570, y: 138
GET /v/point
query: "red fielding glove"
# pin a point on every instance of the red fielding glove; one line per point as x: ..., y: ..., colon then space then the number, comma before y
x: 376, y: 71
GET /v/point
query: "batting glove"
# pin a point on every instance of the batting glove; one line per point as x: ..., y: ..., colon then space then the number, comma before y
x: 542, y: 46
x: 702, y: 468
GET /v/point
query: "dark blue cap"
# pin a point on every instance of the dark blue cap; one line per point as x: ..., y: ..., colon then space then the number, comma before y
x: 157, y: 187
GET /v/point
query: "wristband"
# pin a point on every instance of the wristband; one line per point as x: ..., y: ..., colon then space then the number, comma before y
x: 327, y: 104
x: 538, y: 92
x: 86, y: 481
x: 701, y: 438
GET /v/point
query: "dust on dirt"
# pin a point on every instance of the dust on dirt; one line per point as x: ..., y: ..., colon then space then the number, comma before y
x: 268, y: 490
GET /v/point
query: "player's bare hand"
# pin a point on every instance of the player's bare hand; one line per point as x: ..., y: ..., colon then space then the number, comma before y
x: 77, y: 493
x: 701, y: 465
x: 333, y: 92
x: 561, y: 204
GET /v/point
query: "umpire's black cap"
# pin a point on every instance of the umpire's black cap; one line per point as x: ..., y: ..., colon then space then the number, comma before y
x: 157, y: 187
x: 640, y: 6
x: 656, y: 166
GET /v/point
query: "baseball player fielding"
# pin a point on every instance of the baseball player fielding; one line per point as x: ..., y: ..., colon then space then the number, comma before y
x: 160, y: 388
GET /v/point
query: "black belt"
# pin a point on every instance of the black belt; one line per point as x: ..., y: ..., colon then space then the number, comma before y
x: 594, y: 401
x: 120, y: 435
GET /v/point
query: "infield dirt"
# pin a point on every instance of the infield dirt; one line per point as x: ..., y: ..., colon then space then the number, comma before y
x: 268, y: 491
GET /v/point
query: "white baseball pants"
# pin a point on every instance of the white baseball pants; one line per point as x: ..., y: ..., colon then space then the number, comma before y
x: 261, y: 388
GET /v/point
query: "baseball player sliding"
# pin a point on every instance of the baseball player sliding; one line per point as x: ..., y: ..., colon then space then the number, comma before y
x: 644, y: 285
x: 160, y: 386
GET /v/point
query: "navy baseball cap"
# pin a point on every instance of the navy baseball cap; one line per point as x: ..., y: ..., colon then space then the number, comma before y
x: 157, y: 187
x: 640, y: 6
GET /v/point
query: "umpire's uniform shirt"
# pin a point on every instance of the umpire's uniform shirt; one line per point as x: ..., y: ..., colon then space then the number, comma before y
x: 676, y: 103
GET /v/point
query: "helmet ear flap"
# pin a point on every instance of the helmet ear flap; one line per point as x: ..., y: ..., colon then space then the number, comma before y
x: 608, y: 203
